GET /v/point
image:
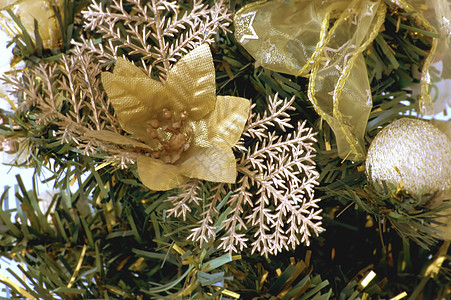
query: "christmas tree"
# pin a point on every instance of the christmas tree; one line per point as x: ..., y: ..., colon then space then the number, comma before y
x: 224, y: 150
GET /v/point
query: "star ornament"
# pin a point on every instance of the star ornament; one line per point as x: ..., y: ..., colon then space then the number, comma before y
x: 244, y: 29
x: 178, y: 129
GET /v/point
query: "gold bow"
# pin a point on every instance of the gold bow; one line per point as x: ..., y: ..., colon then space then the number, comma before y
x: 179, y: 129
x: 295, y: 37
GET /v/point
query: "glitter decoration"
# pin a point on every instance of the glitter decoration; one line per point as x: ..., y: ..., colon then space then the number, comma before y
x: 413, y: 151
x: 246, y: 30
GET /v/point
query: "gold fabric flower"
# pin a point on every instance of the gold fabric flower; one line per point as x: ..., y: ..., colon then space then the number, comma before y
x: 180, y: 128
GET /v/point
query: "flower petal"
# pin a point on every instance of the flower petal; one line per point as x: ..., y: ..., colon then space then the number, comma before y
x: 157, y: 175
x: 215, y: 164
x: 226, y: 123
x: 136, y: 98
x: 191, y: 83
x: 116, y: 138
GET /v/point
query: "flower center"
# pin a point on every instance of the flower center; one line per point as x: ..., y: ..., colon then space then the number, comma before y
x: 172, y: 133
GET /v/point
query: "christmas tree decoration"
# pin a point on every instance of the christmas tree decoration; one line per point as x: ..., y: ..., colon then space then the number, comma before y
x: 190, y: 161
x: 68, y: 94
x: 38, y: 19
x: 186, y: 129
x: 154, y: 33
x: 179, y: 129
x: 439, y: 15
x: 433, y: 18
x: 302, y: 42
x: 274, y: 196
x: 412, y: 154
x: 409, y: 172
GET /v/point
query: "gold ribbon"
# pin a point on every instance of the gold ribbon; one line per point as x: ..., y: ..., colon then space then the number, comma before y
x: 295, y: 37
x: 435, y: 17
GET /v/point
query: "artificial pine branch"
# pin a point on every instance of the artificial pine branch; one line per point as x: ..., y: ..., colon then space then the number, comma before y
x: 126, y: 257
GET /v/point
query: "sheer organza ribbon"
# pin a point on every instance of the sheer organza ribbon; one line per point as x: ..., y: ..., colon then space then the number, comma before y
x: 435, y: 15
x: 324, y: 40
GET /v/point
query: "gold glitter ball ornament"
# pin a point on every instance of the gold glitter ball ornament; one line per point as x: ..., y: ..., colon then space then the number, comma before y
x: 413, y: 151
